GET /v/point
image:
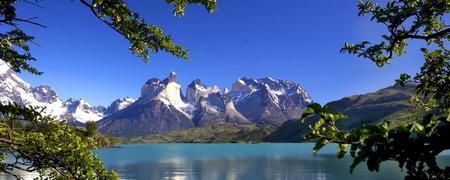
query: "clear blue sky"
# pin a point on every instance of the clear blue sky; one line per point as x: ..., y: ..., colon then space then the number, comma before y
x: 295, y: 40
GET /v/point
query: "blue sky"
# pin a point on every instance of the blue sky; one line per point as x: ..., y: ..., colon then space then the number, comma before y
x: 295, y: 40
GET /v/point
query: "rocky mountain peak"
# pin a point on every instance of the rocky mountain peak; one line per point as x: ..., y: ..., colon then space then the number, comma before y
x: 268, y: 99
x: 45, y: 94
x: 119, y: 104
x: 14, y: 89
x: 215, y: 89
x: 167, y: 91
x: 243, y: 85
x: 71, y: 101
x: 151, y: 88
x: 162, y: 107
x: 153, y: 81
x: 81, y: 111
x: 72, y: 104
x: 225, y: 91
x: 155, y: 87
x: 196, y: 90
x: 195, y: 83
x: 171, y: 78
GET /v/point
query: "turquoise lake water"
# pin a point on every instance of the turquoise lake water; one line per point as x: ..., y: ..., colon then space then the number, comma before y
x: 238, y: 161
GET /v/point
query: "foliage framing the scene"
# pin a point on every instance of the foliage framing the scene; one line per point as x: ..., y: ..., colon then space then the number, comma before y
x: 414, y: 146
x: 32, y: 142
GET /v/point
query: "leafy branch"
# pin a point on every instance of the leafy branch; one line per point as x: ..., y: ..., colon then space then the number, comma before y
x: 144, y: 38
x: 413, y: 145
x: 404, y: 20
x: 40, y: 144
x: 54, y: 149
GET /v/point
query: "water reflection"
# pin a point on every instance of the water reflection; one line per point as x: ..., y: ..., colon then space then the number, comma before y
x: 237, y: 161
x: 321, y: 167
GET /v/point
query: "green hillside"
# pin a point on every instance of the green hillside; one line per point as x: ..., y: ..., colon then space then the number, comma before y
x: 391, y: 104
x: 213, y: 133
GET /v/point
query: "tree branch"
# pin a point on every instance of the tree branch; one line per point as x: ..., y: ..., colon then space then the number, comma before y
x: 431, y: 36
x: 33, y: 3
x: 335, y: 140
x: 92, y: 8
x: 7, y: 141
x: 30, y: 22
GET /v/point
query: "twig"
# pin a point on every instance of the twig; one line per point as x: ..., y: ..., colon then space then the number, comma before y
x: 33, y: 3
x: 30, y: 22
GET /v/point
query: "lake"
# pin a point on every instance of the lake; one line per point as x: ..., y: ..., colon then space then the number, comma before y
x: 238, y: 161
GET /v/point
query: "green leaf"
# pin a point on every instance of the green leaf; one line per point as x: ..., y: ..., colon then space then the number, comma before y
x: 342, y: 150
x: 356, y: 162
x: 319, y: 144
x: 308, y: 112
x: 373, y: 163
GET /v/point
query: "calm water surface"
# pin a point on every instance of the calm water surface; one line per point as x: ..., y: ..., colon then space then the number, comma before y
x: 238, y: 161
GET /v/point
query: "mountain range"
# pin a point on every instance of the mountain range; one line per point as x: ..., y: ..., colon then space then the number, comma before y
x: 76, y: 111
x: 391, y: 104
x: 162, y: 107
x: 252, y: 107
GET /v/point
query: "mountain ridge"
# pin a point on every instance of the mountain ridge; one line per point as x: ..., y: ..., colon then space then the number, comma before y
x: 391, y: 103
x: 76, y: 111
x: 162, y: 107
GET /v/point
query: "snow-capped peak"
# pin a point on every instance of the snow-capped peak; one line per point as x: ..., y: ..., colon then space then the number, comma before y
x: 45, y: 94
x: 171, y: 78
x: 119, y: 104
x: 270, y: 78
x: 168, y: 91
x: 273, y: 89
x: 4, y: 67
x: 172, y: 93
x: 14, y: 89
x: 226, y: 90
x: 244, y: 85
x: 80, y: 110
x: 196, y: 90
x: 162, y: 108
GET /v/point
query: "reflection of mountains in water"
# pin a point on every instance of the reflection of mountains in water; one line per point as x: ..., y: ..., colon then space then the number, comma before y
x: 236, y: 161
x: 319, y: 167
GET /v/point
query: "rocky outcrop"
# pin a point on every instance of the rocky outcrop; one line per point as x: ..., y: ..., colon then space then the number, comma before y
x: 159, y: 109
